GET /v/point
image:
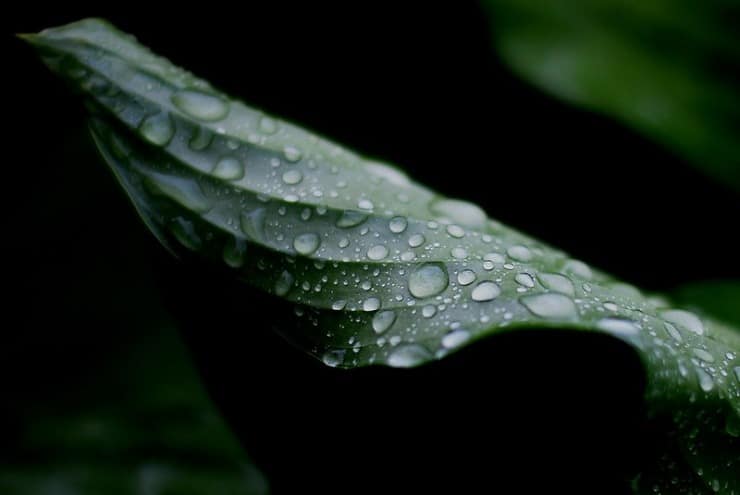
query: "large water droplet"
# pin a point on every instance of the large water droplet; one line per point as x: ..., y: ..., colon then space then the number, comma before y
x: 416, y: 240
x: 519, y: 253
x: 350, y: 218
x: 234, y: 251
x: 383, y: 320
x: 618, y: 326
x: 466, y: 277
x: 199, y: 105
x: 455, y: 338
x: 377, y: 252
x: 397, y: 224
x: 306, y: 244
x: 229, y: 168
x: 579, y: 269
x: 673, y: 332
x: 550, y: 305
x: 485, y: 291
x: 371, y: 304
x: 684, y: 319
x: 365, y: 204
x: 408, y: 355
x: 387, y: 172
x: 185, y: 191
x: 338, y: 305
x: 158, y: 129
x: 703, y: 355
x: 428, y: 280
x: 524, y: 279
x: 284, y: 283
x: 292, y: 153
x: 705, y: 380
x: 429, y: 310
x: 460, y: 212
x: 455, y: 231
x: 292, y: 177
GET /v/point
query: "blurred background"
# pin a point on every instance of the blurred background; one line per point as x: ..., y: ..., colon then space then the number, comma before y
x: 606, y: 128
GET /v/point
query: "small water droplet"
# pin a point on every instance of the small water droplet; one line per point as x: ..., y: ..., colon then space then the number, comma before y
x: 158, y: 129
x: 485, y: 291
x: 459, y: 253
x: 387, y: 172
x: 703, y: 355
x: 524, y: 279
x: 383, y: 320
x: 229, y: 168
x: 338, y: 305
x: 618, y: 326
x: 292, y: 153
x: 705, y: 380
x: 429, y: 311
x: 334, y: 357
x: 365, y: 204
x: 306, y: 244
x: 377, y: 252
x: 455, y: 231
x: 550, y: 305
x: 199, y: 105
x: 428, y: 280
x: 519, y: 253
x: 461, y: 212
x: 350, y: 218
x: 371, y: 304
x: 252, y: 223
x: 494, y: 258
x: 397, y: 224
x: 684, y: 319
x: 416, y: 240
x: 292, y: 177
x: 455, y: 338
x: 408, y: 355
x: 284, y: 283
x: 466, y: 277
x: 557, y: 283
x: 610, y: 306
x: 673, y: 332
x: 268, y: 125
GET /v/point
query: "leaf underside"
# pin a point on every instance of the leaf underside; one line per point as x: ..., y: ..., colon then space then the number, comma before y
x: 380, y: 270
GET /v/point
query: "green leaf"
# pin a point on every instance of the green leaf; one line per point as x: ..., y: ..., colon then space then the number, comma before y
x: 380, y: 269
x: 666, y: 68
x: 141, y: 424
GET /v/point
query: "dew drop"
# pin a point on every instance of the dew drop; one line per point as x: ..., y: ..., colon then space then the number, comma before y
x: 703, y: 355
x: 267, y: 125
x: 371, y: 304
x: 461, y: 212
x: 579, y: 269
x: 158, y: 129
x: 416, y: 240
x: 466, y: 277
x: 292, y: 177
x: 684, y: 319
x: 429, y: 311
x: 377, y: 252
x: 387, y: 172
x: 292, y: 153
x: 494, y: 258
x: 306, y: 244
x: 252, y: 223
x: 284, y: 283
x: 184, y: 232
x: 334, y: 357
x: 618, y: 326
x: 705, y: 380
x: 201, y: 139
x: 519, y: 253
x: 350, y: 218
x: 485, y: 291
x: 338, y: 305
x: 187, y: 192
x: 199, y: 105
x: 229, y: 168
x: 524, y: 279
x: 397, y: 224
x: 459, y: 253
x: 428, y: 280
x: 557, y: 283
x: 365, y: 204
x: 550, y: 305
x: 455, y: 231
x: 234, y: 251
x: 673, y: 332
x: 610, y: 306
x: 455, y: 338
x: 383, y: 320
x: 408, y: 355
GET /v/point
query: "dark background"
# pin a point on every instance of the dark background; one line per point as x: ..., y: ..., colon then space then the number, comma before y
x: 418, y: 85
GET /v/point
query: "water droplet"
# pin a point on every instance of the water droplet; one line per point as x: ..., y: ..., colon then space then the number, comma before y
x: 466, y: 277
x: 350, y: 218
x: 550, y: 305
x: 252, y: 223
x: 284, y: 283
x: 292, y: 153
x: 334, y: 357
x: 673, y: 332
x: 184, y: 232
x: 268, y: 125
x: 485, y: 291
x: 524, y: 279
x: 306, y: 244
x: 201, y: 139
x: 338, y: 305
x: 557, y: 282
x: 519, y: 253
x: 292, y: 177
x: 383, y: 320
x: 416, y: 240
x: 461, y: 212
x: 705, y: 380
x: 407, y: 256
x: 703, y: 355
x: 387, y: 172
x: 199, y: 105
x: 377, y: 252
x: 455, y: 231
x: 429, y: 310
x: 618, y: 326
x: 684, y: 319
x: 459, y: 253
x: 371, y: 304
x: 397, y: 224
x: 408, y: 355
x: 610, y: 306
x: 455, y: 338
x: 494, y: 258
x: 234, y: 251
x: 428, y: 280
x: 229, y: 168
x: 365, y: 204
x: 158, y: 129
x: 187, y: 192
x: 579, y: 269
